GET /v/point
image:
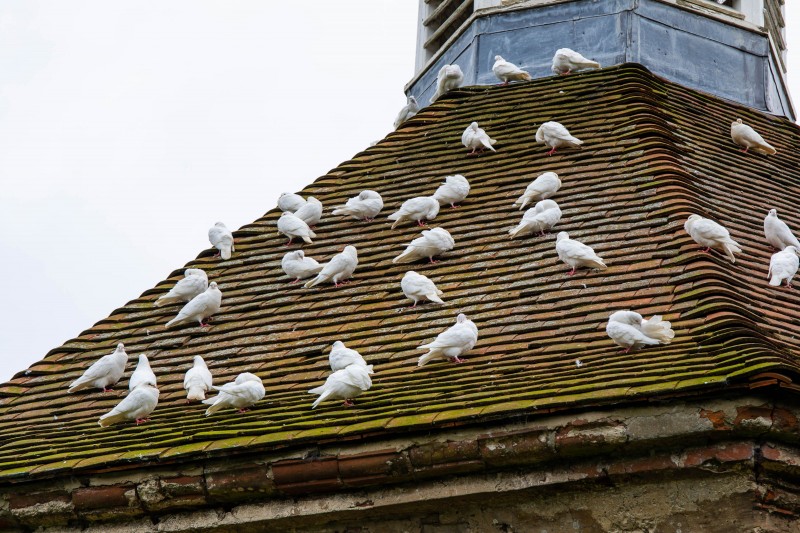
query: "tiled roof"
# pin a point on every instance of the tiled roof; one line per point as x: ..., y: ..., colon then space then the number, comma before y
x: 654, y: 152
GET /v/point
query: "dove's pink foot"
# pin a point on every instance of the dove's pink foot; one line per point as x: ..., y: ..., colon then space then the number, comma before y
x: 571, y: 272
x: 142, y: 420
x: 340, y: 283
x: 289, y: 243
x: 413, y: 306
x: 242, y: 410
x: 551, y: 152
x: 744, y: 150
x: 504, y: 83
x: 457, y: 359
x: 454, y: 206
x: 218, y: 254
x: 626, y: 350
x: 107, y: 389
x: 348, y: 403
x: 295, y: 281
x: 420, y: 223
x: 705, y: 250
x: 432, y: 260
x: 789, y: 285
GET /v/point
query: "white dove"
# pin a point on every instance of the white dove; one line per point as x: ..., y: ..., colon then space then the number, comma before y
x: 364, y: 206
x: 139, y: 403
x: 242, y: 393
x: 290, y: 201
x: 507, y: 72
x: 221, y: 238
x: 197, y: 381
x: 783, y: 267
x: 311, y: 212
x: 565, y: 61
x: 543, y: 187
x: 344, y: 384
x: 201, y: 307
x: 539, y: 218
x: 452, y: 342
x: 576, y: 254
x: 747, y: 138
x: 709, y: 234
x: 292, y: 227
x: 417, y: 287
x: 629, y: 330
x: 298, y: 266
x: 477, y: 139
x: 418, y: 209
x: 555, y: 135
x: 450, y: 77
x: 142, y: 374
x: 195, y: 281
x: 432, y: 242
x: 778, y: 233
x: 341, y: 357
x: 409, y: 110
x: 338, y: 269
x: 454, y: 189
x: 104, y: 373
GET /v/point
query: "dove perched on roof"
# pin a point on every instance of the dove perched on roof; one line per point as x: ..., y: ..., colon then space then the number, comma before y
x: 197, y: 381
x: 543, y: 187
x: 629, y: 330
x: 195, y: 281
x: 310, y: 212
x: 576, y: 254
x: 364, y: 206
x: 338, y: 269
x: 139, y: 403
x: 201, y: 307
x: 709, y: 234
x: 539, y: 218
x: 452, y: 342
x: 142, y: 374
x: 409, y: 110
x: 298, y: 266
x: 555, y: 135
x: 341, y: 357
x: 454, y: 189
x: 344, y: 384
x: 477, y: 139
x: 450, y: 77
x: 290, y: 201
x: 507, y: 72
x: 221, y: 238
x: 778, y: 233
x: 417, y: 287
x: 418, y: 209
x: 432, y: 242
x: 104, y: 372
x: 240, y: 394
x: 783, y: 266
x: 747, y: 138
x: 292, y: 227
x: 566, y: 61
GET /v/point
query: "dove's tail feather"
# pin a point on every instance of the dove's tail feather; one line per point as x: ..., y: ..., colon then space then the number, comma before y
x: 596, y: 263
x: 166, y: 300
x: 78, y: 384
x: 214, y: 407
x: 766, y: 149
x: 660, y: 330
x: 316, y: 281
x: 516, y: 231
x: 307, y: 239
x: 343, y: 210
x: 111, y: 418
x: 589, y: 64
x: 369, y: 369
x: 424, y: 358
x: 434, y: 298
x: 775, y: 280
x: 323, y: 395
x: 405, y: 257
x: 225, y: 252
x: 195, y: 394
x: 397, y: 220
x: 730, y: 247
x: 176, y: 320
x: 488, y: 144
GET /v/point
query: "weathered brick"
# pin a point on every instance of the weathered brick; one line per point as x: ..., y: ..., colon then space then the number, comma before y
x: 242, y: 483
x: 516, y: 449
x: 102, y: 497
x: 444, y: 452
x: 590, y: 438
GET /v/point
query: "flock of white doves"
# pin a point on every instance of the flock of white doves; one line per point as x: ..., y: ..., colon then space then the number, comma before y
x: 350, y: 372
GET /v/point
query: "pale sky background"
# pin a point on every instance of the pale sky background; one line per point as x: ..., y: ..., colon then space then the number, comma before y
x: 127, y: 128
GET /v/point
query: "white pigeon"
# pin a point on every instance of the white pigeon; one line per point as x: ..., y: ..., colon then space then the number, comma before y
x: 507, y: 72
x: 450, y: 77
x: 221, y: 238
x: 311, y: 212
x: 576, y: 254
x: 298, y: 266
x: 629, y: 330
x: 365, y: 206
x: 242, y: 393
x: 197, y: 381
x: 338, y: 269
x: 477, y: 139
x: 778, y: 233
x: 201, y: 307
x: 292, y: 227
x: 454, y: 189
x: 104, y: 373
x: 748, y: 138
x: 783, y: 267
x: 290, y: 201
x: 137, y: 405
x: 709, y: 234
x: 341, y: 357
x: 566, y: 61
x: 418, y: 209
x: 409, y: 110
x: 543, y: 187
x: 432, y: 242
x: 142, y: 374
x: 195, y: 281
x: 344, y: 384
x: 539, y: 218
x: 555, y: 135
x: 452, y: 342
x: 417, y: 287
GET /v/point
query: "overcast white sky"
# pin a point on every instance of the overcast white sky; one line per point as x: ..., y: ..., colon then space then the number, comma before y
x: 128, y: 128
